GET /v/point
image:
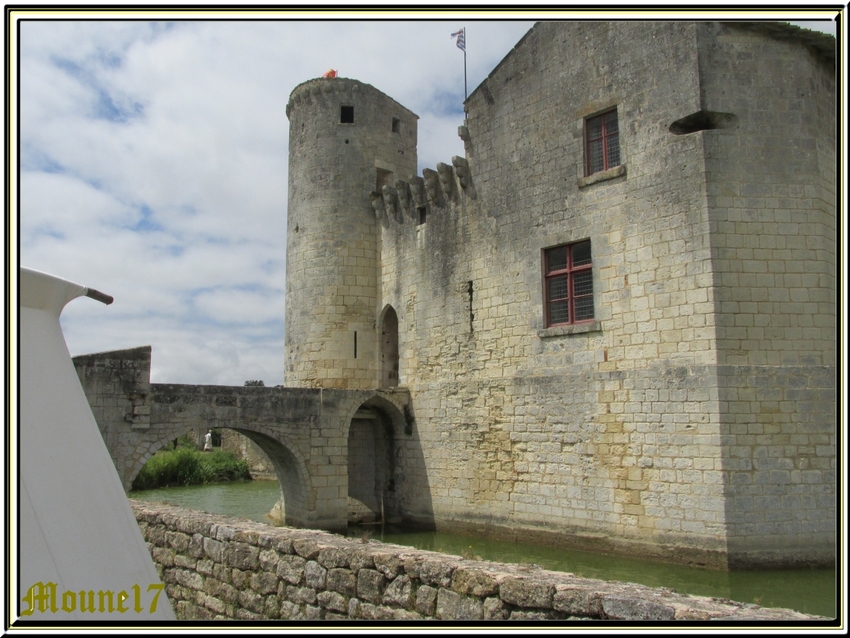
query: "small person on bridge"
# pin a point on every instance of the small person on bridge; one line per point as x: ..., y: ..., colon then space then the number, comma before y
x: 208, y: 441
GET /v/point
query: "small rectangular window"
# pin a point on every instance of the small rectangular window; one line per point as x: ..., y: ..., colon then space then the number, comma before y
x: 396, y: 123
x: 346, y: 115
x: 602, y: 142
x: 568, y: 281
x: 423, y: 214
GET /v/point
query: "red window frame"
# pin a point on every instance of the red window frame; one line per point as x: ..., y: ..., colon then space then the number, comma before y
x: 572, y: 268
x: 608, y: 136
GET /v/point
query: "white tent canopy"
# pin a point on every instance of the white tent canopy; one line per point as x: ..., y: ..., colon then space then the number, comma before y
x: 77, y: 530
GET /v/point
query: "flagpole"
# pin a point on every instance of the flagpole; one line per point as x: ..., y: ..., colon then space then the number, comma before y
x: 465, y: 95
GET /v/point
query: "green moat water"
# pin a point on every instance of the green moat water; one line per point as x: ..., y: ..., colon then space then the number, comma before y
x: 811, y: 591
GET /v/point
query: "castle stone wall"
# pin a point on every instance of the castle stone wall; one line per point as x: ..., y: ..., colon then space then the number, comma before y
x: 625, y: 431
x: 771, y: 200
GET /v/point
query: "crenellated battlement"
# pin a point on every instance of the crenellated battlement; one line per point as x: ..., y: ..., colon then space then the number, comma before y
x: 439, y: 188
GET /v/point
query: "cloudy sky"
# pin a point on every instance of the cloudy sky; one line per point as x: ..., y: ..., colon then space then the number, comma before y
x: 153, y: 167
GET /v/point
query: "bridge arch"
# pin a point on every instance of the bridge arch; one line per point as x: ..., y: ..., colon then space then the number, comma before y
x: 298, y: 499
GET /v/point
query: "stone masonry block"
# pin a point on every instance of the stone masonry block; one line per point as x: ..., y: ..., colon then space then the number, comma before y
x: 526, y: 593
x: 370, y: 585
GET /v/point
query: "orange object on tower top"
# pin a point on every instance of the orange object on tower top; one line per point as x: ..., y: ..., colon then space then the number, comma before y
x: 330, y: 73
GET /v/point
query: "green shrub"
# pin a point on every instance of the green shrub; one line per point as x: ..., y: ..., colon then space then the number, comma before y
x: 188, y: 466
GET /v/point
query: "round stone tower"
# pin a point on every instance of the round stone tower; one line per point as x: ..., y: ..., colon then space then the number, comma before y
x: 346, y: 141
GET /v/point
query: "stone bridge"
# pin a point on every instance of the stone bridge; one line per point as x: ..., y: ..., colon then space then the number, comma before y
x: 327, y: 446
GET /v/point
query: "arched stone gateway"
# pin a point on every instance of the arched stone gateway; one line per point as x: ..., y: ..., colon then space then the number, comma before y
x: 304, y: 431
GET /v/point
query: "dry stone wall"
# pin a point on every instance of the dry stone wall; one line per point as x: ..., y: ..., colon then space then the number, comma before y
x: 218, y: 568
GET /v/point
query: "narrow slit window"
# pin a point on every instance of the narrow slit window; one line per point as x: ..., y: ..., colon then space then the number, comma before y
x: 423, y: 214
x: 396, y: 124
x: 346, y: 115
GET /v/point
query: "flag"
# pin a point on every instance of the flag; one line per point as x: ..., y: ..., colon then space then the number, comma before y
x: 330, y: 73
x: 461, y: 39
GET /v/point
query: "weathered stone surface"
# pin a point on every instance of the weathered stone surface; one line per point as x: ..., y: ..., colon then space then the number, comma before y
x: 289, y: 610
x: 189, y: 579
x: 426, y: 601
x: 577, y: 601
x: 399, y: 592
x: 494, y: 609
x: 214, y: 549
x: 331, y: 557
x: 291, y: 568
x: 370, y: 585
x: 388, y: 564
x: 474, y: 581
x: 178, y: 541
x: 268, y: 560
x: 524, y: 592
x: 342, y: 581
x: 332, y: 600
x: 252, y: 600
x: 436, y: 572
x: 163, y: 556
x: 264, y: 582
x: 196, y: 545
x: 239, y: 578
x: 361, y: 559
x: 242, y: 556
x: 453, y: 606
x: 519, y: 614
x: 315, y: 575
x: 305, y: 548
x: 185, y: 561
x: 633, y: 608
x: 205, y: 567
x: 300, y: 594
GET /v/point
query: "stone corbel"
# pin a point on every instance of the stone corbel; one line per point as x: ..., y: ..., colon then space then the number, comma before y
x: 432, y: 186
x: 404, y: 199
x: 463, y: 133
x: 377, y: 201
x: 391, y: 201
x: 447, y: 179
x: 464, y: 175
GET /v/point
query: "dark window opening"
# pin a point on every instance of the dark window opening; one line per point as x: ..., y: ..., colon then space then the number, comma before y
x: 703, y: 121
x: 396, y: 123
x: 423, y: 214
x: 602, y: 142
x: 355, y: 344
x: 568, y: 280
x: 346, y: 115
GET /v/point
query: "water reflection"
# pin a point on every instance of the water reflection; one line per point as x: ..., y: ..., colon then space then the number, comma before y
x: 810, y: 591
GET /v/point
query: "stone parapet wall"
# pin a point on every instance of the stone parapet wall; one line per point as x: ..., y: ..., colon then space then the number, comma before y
x: 222, y: 568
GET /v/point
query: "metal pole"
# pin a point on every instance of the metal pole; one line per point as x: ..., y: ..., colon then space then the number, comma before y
x: 465, y: 95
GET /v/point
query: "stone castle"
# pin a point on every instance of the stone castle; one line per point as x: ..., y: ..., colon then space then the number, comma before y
x: 610, y: 324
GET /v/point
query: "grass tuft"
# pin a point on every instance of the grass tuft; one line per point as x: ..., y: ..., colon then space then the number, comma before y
x: 187, y: 466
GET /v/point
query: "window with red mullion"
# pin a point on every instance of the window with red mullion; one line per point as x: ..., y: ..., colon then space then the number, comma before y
x: 602, y: 135
x: 569, y: 284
